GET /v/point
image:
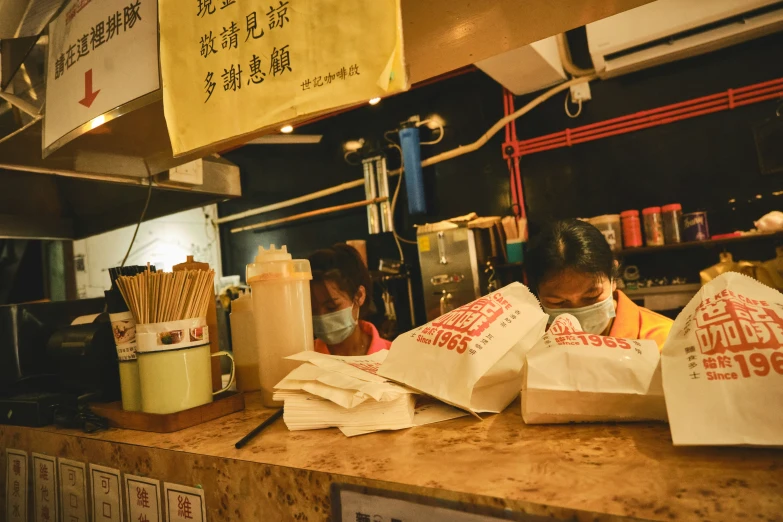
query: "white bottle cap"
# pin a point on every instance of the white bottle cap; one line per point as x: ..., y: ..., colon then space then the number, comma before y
x: 272, y: 254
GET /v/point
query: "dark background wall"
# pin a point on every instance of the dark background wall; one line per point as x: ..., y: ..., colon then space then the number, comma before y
x: 706, y: 163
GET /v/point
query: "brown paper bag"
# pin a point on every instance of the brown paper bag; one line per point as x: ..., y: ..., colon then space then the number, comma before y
x: 471, y: 357
x: 723, y: 366
x: 572, y: 376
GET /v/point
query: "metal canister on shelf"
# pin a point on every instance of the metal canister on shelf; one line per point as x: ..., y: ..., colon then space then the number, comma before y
x: 672, y: 214
x: 632, y: 229
x: 653, y: 226
x: 695, y: 227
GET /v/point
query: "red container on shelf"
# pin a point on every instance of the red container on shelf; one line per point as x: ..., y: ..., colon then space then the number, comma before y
x: 632, y: 229
x: 653, y: 226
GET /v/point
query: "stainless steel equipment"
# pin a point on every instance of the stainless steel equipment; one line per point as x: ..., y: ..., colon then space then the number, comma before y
x: 453, y: 274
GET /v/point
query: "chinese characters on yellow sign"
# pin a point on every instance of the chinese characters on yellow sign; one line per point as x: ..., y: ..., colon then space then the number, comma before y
x: 232, y: 67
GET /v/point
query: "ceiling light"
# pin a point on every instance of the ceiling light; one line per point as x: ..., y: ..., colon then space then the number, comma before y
x: 375, y: 101
x: 287, y: 129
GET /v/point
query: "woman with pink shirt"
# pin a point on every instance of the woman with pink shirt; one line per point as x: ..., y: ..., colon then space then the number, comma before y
x: 341, y: 293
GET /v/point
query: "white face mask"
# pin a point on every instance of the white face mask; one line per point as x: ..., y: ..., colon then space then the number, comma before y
x: 593, y: 318
x: 335, y: 327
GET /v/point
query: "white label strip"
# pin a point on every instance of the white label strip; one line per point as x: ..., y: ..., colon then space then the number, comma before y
x: 106, y: 494
x: 143, y: 499
x: 184, y: 503
x: 16, y: 485
x: 44, y: 473
x: 73, y: 490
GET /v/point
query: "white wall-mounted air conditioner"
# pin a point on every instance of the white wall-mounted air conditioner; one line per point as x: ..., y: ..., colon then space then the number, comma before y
x: 669, y: 30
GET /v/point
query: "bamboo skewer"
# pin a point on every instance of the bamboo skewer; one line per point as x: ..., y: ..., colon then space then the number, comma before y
x: 154, y: 297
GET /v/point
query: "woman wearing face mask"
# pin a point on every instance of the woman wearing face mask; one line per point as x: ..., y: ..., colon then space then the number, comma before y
x: 341, y: 293
x: 572, y: 270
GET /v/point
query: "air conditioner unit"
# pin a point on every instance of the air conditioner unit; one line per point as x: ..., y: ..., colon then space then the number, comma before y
x: 669, y: 30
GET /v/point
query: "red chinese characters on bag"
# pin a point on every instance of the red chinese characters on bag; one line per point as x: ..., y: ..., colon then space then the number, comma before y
x: 473, y: 318
x: 735, y: 323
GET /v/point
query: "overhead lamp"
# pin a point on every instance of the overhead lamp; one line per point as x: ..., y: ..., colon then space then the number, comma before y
x: 375, y: 101
x: 287, y: 129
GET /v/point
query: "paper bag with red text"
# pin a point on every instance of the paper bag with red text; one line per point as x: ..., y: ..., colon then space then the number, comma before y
x: 471, y: 357
x: 573, y: 376
x: 723, y: 366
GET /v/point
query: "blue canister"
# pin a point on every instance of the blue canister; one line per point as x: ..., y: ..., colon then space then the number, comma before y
x: 414, y: 177
x: 695, y: 227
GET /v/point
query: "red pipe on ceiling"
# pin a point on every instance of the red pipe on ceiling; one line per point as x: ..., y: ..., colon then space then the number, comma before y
x: 675, y: 112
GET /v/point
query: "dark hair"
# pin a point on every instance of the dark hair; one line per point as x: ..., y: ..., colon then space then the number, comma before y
x: 568, y: 244
x: 343, y: 265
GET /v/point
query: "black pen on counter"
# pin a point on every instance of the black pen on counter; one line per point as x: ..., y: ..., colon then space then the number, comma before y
x: 258, y: 429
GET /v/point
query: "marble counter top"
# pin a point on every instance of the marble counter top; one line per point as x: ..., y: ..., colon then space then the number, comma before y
x: 613, y: 469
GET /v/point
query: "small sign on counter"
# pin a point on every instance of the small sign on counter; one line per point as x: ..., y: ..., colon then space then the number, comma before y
x: 358, y: 504
x: 73, y: 490
x: 143, y: 497
x: 184, y: 503
x: 16, y: 485
x: 106, y: 496
x: 44, y: 473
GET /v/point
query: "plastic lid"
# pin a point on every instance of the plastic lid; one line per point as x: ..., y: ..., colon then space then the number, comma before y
x: 671, y: 207
x: 272, y: 254
x: 276, y: 264
x: 651, y: 210
x: 629, y: 213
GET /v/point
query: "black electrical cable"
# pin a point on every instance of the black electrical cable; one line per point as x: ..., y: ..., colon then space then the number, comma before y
x: 141, y: 218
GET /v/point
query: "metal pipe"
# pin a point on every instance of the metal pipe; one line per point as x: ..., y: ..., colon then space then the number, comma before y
x: 387, y: 223
x: 371, y: 193
x: 312, y: 213
x: 291, y: 202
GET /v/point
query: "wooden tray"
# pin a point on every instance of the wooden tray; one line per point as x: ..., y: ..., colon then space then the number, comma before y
x: 224, y: 404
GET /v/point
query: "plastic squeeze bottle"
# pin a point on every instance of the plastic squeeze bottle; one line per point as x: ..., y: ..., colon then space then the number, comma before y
x: 283, y: 316
x: 243, y: 344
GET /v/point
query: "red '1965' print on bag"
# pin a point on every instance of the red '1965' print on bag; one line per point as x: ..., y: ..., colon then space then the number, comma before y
x: 459, y: 328
x: 737, y: 337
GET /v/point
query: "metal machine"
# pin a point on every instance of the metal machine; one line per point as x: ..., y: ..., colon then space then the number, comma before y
x: 457, y: 262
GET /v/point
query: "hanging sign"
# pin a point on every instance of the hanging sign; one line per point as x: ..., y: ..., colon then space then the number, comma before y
x: 232, y: 67
x: 102, y: 54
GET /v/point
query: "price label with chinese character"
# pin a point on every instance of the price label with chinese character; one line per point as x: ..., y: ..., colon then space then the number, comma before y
x: 184, y: 504
x: 143, y: 499
x: 44, y: 473
x: 292, y: 59
x: 106, y: 497
x: 16, y: 486
x: 73, y: 490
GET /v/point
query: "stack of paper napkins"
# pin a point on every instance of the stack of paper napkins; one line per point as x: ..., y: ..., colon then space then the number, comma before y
x: 330, y: 391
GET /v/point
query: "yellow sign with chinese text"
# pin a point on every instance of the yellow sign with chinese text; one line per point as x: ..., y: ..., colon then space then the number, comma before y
x: 234, y: 67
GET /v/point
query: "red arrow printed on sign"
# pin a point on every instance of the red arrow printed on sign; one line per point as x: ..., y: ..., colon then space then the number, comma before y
x: 89, y: 95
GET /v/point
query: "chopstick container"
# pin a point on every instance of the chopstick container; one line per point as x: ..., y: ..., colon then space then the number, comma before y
x: 175, y: 365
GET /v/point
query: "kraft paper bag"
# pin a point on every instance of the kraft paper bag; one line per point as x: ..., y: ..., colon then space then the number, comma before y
x: 723, y: 366
x: 572, y: 376
x: 471, y: 357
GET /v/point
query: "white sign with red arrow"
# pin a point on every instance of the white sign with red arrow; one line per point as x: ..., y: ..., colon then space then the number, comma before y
x: 102, y: 54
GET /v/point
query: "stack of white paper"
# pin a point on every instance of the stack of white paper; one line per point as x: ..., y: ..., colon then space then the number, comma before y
x: 344, y: 392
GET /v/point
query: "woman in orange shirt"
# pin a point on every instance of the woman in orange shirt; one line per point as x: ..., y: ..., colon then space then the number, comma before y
x: 340, y: 293
x: 572, y: 270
